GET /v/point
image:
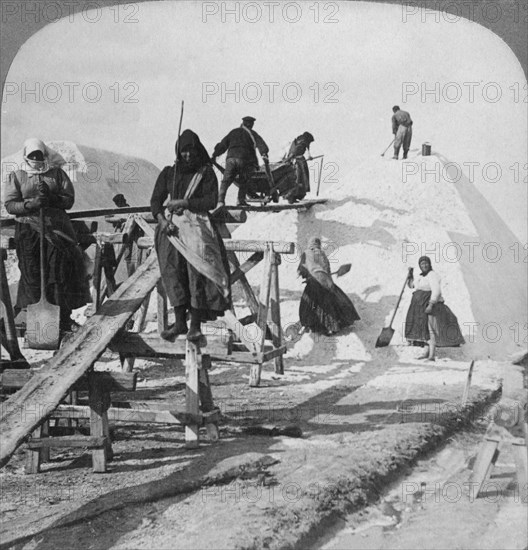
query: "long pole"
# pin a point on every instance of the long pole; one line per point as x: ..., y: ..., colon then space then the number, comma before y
x: 320, y: 173
x: 383, y: 154
x: 178, y: 146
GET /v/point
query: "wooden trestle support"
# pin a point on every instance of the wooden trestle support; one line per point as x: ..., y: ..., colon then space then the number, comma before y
x: 112, y: 326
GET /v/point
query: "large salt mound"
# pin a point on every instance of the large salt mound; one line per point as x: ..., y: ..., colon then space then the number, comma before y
x: 382, y: 225
x: 97, y: 175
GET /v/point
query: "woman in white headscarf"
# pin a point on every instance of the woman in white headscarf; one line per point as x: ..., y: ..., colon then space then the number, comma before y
x: 40, y: 184
x: 324, y: 307
x: 429, y: 321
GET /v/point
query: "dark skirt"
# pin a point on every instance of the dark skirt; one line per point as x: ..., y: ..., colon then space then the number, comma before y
x: 66, y: 278
x: 184, y: 285
x: 326, y: 310
x: 443, y: 322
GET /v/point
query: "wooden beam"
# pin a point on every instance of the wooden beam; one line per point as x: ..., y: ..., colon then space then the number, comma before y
x: 88, y: 442
x: 48, y: 386
x: 131, y: 344
x: 193, y: 360
x: 112, y: 380
x: 240, y: 270
x: 280, y: 247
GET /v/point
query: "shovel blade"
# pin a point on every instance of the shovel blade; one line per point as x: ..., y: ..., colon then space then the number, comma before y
x: 42, y: 326
x: 385, y: 337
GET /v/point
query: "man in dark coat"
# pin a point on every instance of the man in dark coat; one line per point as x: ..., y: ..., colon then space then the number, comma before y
x: 241, y: 145
x: 402, y: 130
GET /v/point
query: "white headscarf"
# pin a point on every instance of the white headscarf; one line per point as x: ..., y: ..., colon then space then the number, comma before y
x: 30, y: 166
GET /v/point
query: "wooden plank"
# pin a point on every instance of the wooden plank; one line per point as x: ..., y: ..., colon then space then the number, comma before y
x: 34, y: 457
x: 486, y: 459
x: 280, y: 247
x: 110, y: 238
x: 87, y: 442
x: 265, y: 291
x: 131, y: 415
x: 131, y: 344
x: 99, y: 402
x: 45, y: 390
x: 147, y: 229
x: 251, y: 301
x: 275, y: 326
x: 249, y: 264
x: 112, y: 380
x: 239, y: 331
x: 274, y: 354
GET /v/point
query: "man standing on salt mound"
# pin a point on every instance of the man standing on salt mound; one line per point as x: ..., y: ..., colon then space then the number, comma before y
x: 402, y: 130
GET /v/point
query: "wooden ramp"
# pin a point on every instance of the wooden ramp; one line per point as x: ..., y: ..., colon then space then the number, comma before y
x: 29, y: 407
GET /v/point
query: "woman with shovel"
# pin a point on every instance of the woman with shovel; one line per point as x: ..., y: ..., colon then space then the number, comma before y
x: 324, y: 307
x: 40, y: 188
x: 429, y: 321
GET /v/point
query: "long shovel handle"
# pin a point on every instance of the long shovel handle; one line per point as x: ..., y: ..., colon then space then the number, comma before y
x: 383, y: 154
x: 42, y: 267
x: 319, y: 178
x: 399, y: 300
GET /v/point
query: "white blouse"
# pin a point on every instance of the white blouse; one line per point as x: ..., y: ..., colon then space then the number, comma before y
x: 430, y: 282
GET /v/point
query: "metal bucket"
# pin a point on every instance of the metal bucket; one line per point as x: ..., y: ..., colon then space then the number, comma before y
x: 426, y: 149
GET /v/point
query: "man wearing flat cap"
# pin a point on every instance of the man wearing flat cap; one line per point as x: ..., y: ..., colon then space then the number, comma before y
x: 241, y: 145
x: 299, y: 146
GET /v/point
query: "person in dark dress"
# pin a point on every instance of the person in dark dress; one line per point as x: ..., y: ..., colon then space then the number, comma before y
x: 241, y: 145
x: 38, y: 184
x: 324, y: 307
x: 429, y: 321
x: 182, y: 197
x: 402, y: 130
x: 300, y: 145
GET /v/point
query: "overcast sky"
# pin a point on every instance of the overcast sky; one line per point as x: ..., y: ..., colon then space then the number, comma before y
x: 335, y: 73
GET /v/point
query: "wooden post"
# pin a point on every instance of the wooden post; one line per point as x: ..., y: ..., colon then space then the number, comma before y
x: 97, y: 272
x: 35, y: 457
x: 192, y: 401
x: 265, y: 290
x: 276, y: 327
x: 108, y: 259
x: 99, y: 401
x: 206, y: 397
x: 163, y: 315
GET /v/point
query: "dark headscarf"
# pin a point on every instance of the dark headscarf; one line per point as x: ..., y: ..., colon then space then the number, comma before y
x: 425, y: 259
x: 189, y: 138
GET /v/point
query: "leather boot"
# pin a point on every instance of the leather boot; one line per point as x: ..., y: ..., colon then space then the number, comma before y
x: 241, y: 201
x: 179, y: 327
x: 195, y: 332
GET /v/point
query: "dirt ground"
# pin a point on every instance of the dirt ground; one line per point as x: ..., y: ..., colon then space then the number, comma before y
x: 362, y: 427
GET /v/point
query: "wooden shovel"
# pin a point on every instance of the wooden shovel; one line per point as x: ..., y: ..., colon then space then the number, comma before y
x: 386, y: 334
x: 42, y: 318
